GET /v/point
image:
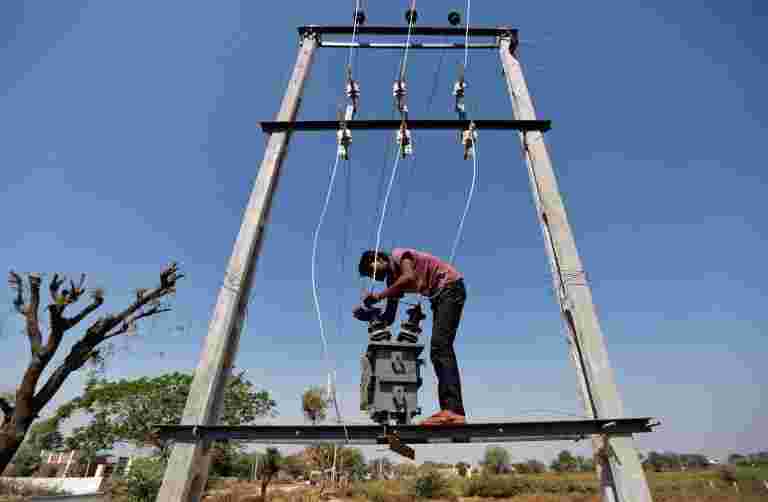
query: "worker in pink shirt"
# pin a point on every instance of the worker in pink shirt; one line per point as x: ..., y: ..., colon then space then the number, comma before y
x: 412, y: 271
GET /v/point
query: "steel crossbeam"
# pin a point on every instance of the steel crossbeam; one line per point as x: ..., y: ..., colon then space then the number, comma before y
x: 410, y: 434
x: 427, y: 31
x: 320, y: 125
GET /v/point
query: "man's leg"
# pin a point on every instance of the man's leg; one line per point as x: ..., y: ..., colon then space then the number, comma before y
x: 447, y: 309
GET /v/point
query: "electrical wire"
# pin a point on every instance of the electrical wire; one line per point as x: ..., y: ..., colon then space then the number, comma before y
x: 466, y: 37
x: 460, y: 230
x: 384, y: 212
x: 315, y: 296
x: 315, y: 240
x: 403, y: 67
x: 354, y: 37
x: 411, y: 22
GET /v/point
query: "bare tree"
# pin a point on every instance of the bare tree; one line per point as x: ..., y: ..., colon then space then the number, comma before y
x: 30, y: 396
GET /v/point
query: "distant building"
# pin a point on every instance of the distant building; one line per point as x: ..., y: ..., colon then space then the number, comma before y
x: 104, y: 464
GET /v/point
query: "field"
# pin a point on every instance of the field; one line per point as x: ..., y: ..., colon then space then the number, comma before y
x: 704, y: 486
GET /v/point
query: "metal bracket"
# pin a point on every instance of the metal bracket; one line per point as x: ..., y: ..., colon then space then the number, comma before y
x: 404, y: 141
x: 511, y: 35
x: 397, y: 446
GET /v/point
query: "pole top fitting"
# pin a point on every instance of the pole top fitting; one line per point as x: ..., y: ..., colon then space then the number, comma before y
x: 411, y: 16
x: 359, y: 17
x: 308, y: 33
x: 507, y: 33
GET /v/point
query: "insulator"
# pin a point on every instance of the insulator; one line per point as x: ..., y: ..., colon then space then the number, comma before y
x: 400, y: 92
x: 353, y: 89
x: 344, y: 139
x: 411, y: 16
x: 454, y: 17
x: 468, y: 138
x: 459, y: 87
x: 399, y: 89
x: 359, y: 17
x: 404, y: 141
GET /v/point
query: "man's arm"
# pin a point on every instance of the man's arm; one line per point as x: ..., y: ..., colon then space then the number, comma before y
x: 405, y: 283
x: 391, y: 311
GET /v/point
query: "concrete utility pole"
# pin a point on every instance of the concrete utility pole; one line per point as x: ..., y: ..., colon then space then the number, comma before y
x: 621, y: 474
x: 187, y: 471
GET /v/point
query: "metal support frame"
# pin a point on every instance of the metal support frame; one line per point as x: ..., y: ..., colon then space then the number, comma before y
x: 411, y: 46
x: 622, y: 475
x: 187, y: 471
x: 573, y: 430
x: 416, y: 30
x: 328, y: 125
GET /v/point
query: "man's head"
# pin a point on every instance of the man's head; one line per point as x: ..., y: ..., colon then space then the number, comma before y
x: 372, y: 259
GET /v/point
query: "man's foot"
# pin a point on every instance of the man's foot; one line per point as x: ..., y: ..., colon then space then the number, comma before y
x: 444, y: 417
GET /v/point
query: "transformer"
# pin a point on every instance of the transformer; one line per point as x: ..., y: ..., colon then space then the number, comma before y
x: 391, y: 371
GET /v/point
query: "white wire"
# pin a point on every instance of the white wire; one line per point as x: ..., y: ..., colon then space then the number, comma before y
x: 315, y: 296
x: 384, y: 212
x: 314, y: 256
x: 354, y: 35
x: 466, y: 38
x: 408, y: 42
x: 469, y: 202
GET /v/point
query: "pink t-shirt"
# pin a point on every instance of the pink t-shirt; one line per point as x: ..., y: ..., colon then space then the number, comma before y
x: 432, y: 273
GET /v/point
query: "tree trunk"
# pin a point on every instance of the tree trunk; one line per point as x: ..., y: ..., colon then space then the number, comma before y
x: 10, y: 440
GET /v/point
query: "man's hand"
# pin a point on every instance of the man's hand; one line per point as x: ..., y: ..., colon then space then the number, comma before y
x: 371, y: 299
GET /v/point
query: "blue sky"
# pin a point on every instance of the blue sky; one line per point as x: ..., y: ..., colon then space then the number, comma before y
x: 130, y: 138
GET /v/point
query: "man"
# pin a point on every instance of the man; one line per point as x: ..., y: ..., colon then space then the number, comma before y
x: 412, y: 271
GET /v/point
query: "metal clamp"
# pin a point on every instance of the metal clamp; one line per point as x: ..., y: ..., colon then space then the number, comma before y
x: 400, y: 93
x: 404, y: 141
x: 468, y: 139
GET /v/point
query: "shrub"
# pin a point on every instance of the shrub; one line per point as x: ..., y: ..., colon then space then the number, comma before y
x: 490, y: 486
x: 430, y: 484
x: 47, y: 471
x: 143, y: 481
x: 727, y: 473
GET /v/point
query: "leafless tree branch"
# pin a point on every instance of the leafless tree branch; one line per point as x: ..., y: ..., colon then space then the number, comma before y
x: 14, y: 282
x: 6, y: 407
x: 31, y: 314
x: 54, y: 286
x: 97, y: 299
x: 102, y: 329
x: 128, y: 323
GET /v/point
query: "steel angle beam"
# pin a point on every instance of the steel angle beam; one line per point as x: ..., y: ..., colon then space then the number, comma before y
x: 427, y: 31
x: 326, y: 125
x: 412, y: 45
x: 409, y: 434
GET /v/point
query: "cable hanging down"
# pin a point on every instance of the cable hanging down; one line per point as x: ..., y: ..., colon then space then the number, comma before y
x: 467, y: 137
x: 403, y: 136
x: 344, y: 140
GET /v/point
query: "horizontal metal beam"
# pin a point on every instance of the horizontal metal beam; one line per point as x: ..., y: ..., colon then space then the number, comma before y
x: 410, y: 434
x: 325, y: 125
x: 428, y: 31
x: 412, y: 45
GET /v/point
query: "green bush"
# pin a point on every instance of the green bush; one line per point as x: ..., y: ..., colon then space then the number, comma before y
x: 491, y: 486
x: 430, y: 484
x: 143, y: 481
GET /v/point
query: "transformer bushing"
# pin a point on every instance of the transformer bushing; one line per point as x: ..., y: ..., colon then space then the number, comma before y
x: 391, y: 371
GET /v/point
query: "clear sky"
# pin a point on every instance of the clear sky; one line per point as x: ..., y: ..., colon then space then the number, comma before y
x: 130, y: 138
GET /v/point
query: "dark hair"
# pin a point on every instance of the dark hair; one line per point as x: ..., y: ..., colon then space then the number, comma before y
x: 366, y: 261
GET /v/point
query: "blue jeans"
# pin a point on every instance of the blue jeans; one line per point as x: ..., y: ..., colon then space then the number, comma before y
x: 447, y: 306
